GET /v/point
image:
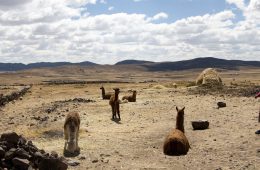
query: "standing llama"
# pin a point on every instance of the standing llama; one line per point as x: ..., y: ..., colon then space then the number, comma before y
x: 104, y: 94
x: 131, y: 98
x: 114, y: 103
x: 176, y: 143
x: 71, y: 133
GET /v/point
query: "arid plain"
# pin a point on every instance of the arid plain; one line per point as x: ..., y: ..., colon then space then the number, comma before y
x: 136, y: 141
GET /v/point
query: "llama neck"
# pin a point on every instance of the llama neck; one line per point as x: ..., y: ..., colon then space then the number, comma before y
x: 116, y: 96
x: 179, y: 123
x: 103, y: 92
x: 134, y: 95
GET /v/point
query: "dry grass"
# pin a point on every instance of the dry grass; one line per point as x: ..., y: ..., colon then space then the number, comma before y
x: 136, y: 142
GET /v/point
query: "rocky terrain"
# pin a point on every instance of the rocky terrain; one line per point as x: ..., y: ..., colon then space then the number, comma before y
x: 136, y: 141
x: 18, y: 153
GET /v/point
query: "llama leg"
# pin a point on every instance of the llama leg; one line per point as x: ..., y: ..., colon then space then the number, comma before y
x: 118, y: 111
x: 77, y: 139
x: 113, y: 111
x: 259, y: 117
x: 66, y: 137
x: 66, y: 133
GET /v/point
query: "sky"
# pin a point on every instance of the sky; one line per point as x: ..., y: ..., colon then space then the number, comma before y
x: 108, y: 31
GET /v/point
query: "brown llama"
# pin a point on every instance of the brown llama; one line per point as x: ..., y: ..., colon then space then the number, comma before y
x: 176, y: 143
x: 114, y: 103
x: 71, y: 132
x: 104, y: 94
x: 131, y: 98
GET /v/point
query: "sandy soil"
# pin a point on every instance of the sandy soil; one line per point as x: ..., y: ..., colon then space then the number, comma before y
x: 136, y: 141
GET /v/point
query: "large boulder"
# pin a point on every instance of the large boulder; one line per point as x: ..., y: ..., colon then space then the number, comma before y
x: 209, y: 76
x: 11, y: 137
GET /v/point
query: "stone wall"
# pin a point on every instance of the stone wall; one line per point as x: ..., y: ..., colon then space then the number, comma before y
x: 4, y: 99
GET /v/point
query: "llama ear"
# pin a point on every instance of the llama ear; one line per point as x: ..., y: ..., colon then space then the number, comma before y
x: 177, y: 109
x: 183, y: 108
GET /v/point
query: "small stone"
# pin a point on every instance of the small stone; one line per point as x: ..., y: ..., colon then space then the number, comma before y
x: 221, y: 104
x: 2, y: 153
x: 95, y: 161
x: 82, y: 158
x: 22, y: 141
x: 10, y: 154
x: 54, y: 154
x: 21, y: 164
x: 73, y: 163
x: 21, y: 153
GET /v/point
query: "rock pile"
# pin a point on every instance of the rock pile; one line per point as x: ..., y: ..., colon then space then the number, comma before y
x: 13, y: 96
x: 210, y: 77
x: 18, y: 153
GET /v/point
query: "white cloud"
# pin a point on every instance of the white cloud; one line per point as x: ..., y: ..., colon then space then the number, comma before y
x: 250, y: 11
x: 111, y: 8
x: 160, y: 15
x: 239, y: 3
x: 103, y: 1
x: 55, y: 30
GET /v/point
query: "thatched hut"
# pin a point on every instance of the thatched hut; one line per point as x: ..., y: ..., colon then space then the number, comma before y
x: 209, y: 76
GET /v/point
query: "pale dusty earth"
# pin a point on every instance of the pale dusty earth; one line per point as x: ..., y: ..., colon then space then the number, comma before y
x: 136, y: 141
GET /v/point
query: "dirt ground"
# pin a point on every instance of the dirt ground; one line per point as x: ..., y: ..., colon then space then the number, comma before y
x: 136, y: 141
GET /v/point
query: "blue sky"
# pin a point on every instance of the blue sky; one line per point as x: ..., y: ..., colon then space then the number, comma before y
x: 176, y: 9
x: 108, y: 31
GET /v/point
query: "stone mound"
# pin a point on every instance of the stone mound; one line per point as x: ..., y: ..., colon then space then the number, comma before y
x: 18, y: 153
x: 209, y: 76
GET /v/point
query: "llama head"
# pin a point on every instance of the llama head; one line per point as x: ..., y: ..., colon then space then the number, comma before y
x: 180, y: 111
x: 101, y: 87
x: 134, y: 92
x: 117, y: 90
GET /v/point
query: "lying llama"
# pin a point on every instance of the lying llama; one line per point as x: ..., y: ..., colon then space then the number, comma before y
x: 114, y: 103
x: 131, y: 98
x: 71, y: 133
x: 176, y: 142
x: 104, y: 94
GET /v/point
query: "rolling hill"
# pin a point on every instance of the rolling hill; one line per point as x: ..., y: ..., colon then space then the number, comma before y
x: 196, y: 63
x: 20, y: 66
x: 201, y: 63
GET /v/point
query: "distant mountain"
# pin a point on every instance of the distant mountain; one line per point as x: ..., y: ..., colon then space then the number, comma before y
x: 20, y: 66
x: 138, y: 62
x: 147, y: 65
x: 201, y: 63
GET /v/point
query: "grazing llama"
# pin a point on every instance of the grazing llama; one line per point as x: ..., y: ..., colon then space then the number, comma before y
x: 131, y: 98
x: 104, y: 95
x: 114, y: 103
x: 71, y: 132
x: 176, y: 143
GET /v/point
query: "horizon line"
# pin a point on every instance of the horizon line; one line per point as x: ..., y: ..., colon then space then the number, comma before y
x: 69, y: 62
